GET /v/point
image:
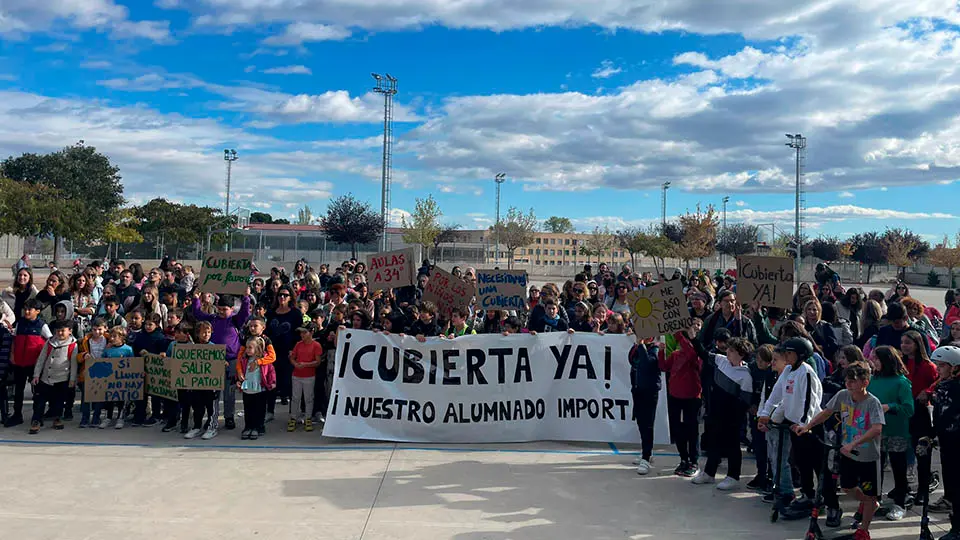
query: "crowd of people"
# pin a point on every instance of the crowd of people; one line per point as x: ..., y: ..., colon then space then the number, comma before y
x: 871, y: 373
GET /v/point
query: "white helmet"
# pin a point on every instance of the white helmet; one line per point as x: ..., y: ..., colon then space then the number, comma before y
x: 947, y: 354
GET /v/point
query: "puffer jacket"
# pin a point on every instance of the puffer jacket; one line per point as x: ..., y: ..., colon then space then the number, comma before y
x: 57, y: 362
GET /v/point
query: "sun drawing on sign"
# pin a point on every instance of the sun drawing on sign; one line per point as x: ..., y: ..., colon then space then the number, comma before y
x: 646, y: 310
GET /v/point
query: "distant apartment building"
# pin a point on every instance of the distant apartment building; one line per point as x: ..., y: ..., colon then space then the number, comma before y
x: 563, y: 249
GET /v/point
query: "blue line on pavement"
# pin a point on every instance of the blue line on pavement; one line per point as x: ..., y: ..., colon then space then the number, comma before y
x: 614, y: 448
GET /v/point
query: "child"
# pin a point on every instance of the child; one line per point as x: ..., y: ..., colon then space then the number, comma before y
x: 206, y: 399
x: 30, y: 335
x: 91, y: 346
x: 862, y: 420
x: 174, y: 317
x: 645, y: 391
x: 305, y: 357
x: 512, y: 325
x: 256, y: 326
x: 552, y: 321
x: 764, y: 377
x: 6, y: 348
x: 458, y: 323
x: 255, y: 380
x: 731, y: 395
x: 946, y: 426
x: 54, y: 375
x: 134, y: 325
x: 225, y: 330
x: 795, y: 399
x: 890, y: 385
x: 151, y: 340
x: 426, y: 324
x: 684, y: 394
x: 116, y: 348
x: 111, y: 305
x: 186, y: 399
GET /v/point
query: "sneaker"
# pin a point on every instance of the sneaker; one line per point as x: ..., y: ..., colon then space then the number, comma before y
x: 943, y: 506
x: 637, y: 460
x: 229, y: 424
x: 192, y: 434
x: 769, y: 497
x: 318, y: 418
x: 680, y: 468
x: 802, y: 503
x: 119, y: 424
x: 184, y: 430
x: 84, y: 424
x: 57, y: 424
x: 834, y: 516
x: 209, y: 434
x: 169, y: 427
x: 14, y: 420
x: 34, y: 427
x: 104, y: 424
x: 150, y: 422
x: 269, y: 417
x: 861, y: 534
x: 283, y: 401
x: 245, y: 435
x: 291, y: 425
x: 254, y: 434
x: 690, y: 471
x: 261, y: 432
x: 643, y: 468
x: 912, y: 474
x: 308, y: 425
x: 896, y: 513
x: 703, y: 478
x: 934, y: 481
x: 729, y: 484
x: 758, y: 483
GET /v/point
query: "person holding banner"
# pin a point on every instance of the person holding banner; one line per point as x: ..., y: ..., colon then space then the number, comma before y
x: 117, y: 348
x: 645, y: 383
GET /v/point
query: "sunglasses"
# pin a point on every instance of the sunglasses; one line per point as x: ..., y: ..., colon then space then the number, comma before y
x: 578, y: 290
x: 283, y: 295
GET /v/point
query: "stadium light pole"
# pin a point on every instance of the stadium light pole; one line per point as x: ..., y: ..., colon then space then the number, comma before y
x: 663, y: 205
x: 723, y: 230
x: 798, y: 142
x: 499, y: 179
x: 229, y: 155
x: 387, y: 87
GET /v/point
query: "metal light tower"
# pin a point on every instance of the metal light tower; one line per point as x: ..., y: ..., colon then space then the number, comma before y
x: 799, y: 143
x: 387, y: 86
x: 229, y: 155
x: 663, y: 204
x: 724, y: 229
x: 499, y: 179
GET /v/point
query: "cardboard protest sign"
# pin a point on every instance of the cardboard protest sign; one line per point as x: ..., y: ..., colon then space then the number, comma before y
x: 223, y: 272
x: 659, y: 309
x: 159, y: 372
x: 501, y: 289
x: 199, y: 367
x: 113, y: 379
x: 768, y: 280
x: 447, y: 291
x: 391, y: 269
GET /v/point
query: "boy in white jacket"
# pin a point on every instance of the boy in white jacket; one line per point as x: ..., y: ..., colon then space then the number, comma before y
x: 55, y: 375
x: 795, y: 399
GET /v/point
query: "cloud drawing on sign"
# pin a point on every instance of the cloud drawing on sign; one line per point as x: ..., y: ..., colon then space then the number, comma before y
x: 101, y: 370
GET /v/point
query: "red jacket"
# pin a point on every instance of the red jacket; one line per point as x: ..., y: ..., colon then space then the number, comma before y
x: 922, y: 376
x: 29, y: 341
x: 684, y: 366
x: 953, y: 314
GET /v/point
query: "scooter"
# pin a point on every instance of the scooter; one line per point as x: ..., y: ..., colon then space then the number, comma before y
x: 775, y: 514
x: 925, y: 446
x: 830, y: 451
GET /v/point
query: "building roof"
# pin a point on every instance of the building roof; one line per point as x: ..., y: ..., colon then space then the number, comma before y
x: 299, y: 228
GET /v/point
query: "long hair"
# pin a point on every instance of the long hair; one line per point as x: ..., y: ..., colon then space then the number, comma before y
x: 794, y: 329
x: 16, y: 284
x: 891, y: 363
x: 291, y: 302
x: 920, y: 356
x: 872, y: 313
x: 152, y: 307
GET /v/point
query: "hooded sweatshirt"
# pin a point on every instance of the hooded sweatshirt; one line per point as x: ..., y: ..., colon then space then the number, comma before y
x: 796, y: 397
x: 683, y: 367
x: 67, y: 305
x: 57, y: 362
x: 732, y: 390
x: 225, y: 331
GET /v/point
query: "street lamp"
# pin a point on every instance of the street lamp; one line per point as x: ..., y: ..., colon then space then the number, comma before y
x: 499, y: 179
x: 798, y: 142
x: 663, y: 205
x: 229, y: 155
x: 386, y: 86
x: 724, y: 229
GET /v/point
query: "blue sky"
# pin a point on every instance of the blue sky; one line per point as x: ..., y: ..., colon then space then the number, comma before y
x: 586, y: 106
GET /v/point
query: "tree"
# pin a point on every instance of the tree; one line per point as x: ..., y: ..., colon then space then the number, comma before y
x: 947, y: 257
x: 699, y: 234
x: 349, y: 221
x: 658, y: 247
x: 903, y: 248
x: 82, y: 176
x: 281, y: 221
x: 868, y: 249
x: 121, y: 229
x: 172, y: 225
x: 260, y: 217
x: 558, y: 225
x: 738, y: 239
x: 448, y: 233
x: 634, y: 240
x: 598, y: 243
x: 671, y: 231
x: 516, y: 231
x: 304, y: 216
x: 827, y: 248
x: 424, y: 225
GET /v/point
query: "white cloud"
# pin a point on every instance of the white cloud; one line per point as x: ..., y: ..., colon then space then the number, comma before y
x: 845, y: 195
x: 151, y: 82
x: 289, y: 70
x: 397, y: 215
x: 8, y: 77
x: 21, y: 17
x: 336, y: 106
x: 606, y: 70
x: 300, y: 32
x: 53, y: 47
x: 741, y: 203
x: 96, y: 64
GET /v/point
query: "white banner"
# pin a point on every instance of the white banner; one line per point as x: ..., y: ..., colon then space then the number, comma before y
x: 486, y: 388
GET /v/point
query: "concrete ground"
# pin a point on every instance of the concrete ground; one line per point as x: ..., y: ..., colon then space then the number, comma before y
x: 142, y: 483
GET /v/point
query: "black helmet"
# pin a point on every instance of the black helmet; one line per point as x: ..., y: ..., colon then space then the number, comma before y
x: 799, y: 345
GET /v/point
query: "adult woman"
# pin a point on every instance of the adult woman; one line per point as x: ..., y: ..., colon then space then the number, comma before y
x: 21, y: 291
x: 877, y: 296
x: 268, y: 296
x: 872, y: 317
x: 918, y: 319
x: 533, y: 296
x: 567, y: 295
x: 800, y: 298
x: 299, y: 270
x: 154, y: 277
x: 593, y: 292
x: 891, y: 386
x: 283, y: 319
x: 493, y: 321
x: 922, y: 374
x: 898, y: 292
x: 83, y: 304
x: 150, y: 302
x: 361, y: 294
x: 360, y: 268
x: 92, y: 288
x: 54, y: 291
x: 137, y: 270
x: 850, y: 307
x: 617, y: 302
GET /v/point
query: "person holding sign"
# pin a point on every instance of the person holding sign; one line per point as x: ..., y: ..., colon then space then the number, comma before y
x: 226, y: 327
x: 54, y: 375
x: 117, y: 348
x: 645, y: 383
x: 730, y: 317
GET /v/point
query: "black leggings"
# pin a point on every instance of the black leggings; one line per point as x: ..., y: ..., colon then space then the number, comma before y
x: 808, y: 457
x: 254, y: 410
x: 898, y: 464
x: 645, y: 413
x: 724, y: 437
x: 685, y: 427
x: 21, y: 376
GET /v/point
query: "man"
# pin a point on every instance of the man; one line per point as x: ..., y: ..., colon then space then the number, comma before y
x: 625, y: 272
x: 729, y: 317
x: 127, y: 292
x: 113, y: 274
x: 169, y: 285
